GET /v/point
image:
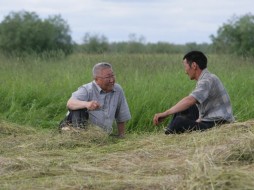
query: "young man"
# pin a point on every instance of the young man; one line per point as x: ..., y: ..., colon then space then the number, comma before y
x: 209, y: 96
x: 101, y: 102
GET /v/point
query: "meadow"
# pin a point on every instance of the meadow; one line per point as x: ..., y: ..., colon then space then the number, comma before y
x: 34, y: 90
x: 34, y: 155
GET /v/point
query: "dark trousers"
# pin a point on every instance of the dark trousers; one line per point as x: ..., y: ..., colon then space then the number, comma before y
x: 186, y: 121
x: 76, y: 118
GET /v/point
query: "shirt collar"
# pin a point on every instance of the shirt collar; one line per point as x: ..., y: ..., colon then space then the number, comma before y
x: 99, y: 88
x: 204, y: 71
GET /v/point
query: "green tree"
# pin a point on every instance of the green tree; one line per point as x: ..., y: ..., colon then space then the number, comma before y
x: 236, y: 36
x: 26, y: 32
x: 136, y: 44
x: 95, y: 43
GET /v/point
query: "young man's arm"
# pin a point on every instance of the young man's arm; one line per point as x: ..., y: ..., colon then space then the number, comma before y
x: 182, y: 105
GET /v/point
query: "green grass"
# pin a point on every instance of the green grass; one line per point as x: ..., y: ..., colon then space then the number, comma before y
x: 220, y: 158
x: 34, y: 90
x: 33, y: 96
x: 34, y: 155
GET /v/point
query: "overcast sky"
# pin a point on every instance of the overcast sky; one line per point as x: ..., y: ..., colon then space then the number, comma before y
x: 172, y: 21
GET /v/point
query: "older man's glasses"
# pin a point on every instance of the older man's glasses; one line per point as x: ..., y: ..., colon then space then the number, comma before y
x: 108, y: 77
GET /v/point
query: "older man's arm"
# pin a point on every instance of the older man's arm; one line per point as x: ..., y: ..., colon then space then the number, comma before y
x: 75, y: 104
x: 121, y: 129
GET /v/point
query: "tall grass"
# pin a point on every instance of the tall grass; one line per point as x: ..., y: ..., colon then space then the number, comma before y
x: 34, y: 90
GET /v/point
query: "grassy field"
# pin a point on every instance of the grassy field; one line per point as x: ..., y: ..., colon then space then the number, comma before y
x: 221, y: 158
x: 34, y: 155
x: 34, y: 90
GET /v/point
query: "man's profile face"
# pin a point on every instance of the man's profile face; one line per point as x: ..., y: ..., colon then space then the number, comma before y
x: 106, y: 79
x: 189, y: 70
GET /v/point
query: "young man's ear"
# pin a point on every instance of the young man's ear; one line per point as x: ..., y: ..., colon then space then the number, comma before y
x: 194, y: 65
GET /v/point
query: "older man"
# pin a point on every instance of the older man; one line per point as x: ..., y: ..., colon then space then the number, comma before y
x: 101, y: 102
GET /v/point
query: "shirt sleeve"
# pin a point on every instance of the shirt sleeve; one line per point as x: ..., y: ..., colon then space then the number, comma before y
x: 122, y: 112
x: 81, y: 94
x: 202, y: 90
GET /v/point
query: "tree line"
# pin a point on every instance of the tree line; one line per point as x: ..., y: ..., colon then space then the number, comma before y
x: 24, y: 32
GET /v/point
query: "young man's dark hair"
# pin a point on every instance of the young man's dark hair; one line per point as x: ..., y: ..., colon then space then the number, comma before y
x: 198, y: 57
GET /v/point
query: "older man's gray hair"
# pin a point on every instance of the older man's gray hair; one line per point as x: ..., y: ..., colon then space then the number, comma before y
x: 100, y: 66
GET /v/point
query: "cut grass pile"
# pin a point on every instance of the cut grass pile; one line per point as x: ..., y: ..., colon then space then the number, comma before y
x: 221, y: 158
